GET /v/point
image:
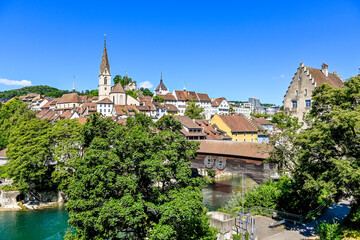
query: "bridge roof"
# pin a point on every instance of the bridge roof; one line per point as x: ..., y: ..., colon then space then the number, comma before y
x: 239, y: 149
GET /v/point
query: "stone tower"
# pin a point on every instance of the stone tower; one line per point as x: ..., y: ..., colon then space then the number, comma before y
x: 104, y: 76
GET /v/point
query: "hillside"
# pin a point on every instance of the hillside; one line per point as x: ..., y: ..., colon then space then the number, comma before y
x: 41, y: 89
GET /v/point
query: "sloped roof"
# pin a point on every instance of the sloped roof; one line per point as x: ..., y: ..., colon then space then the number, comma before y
x: 147, y: 100
x: 209, y: 130
x: 66, y: 114
x: 167, y: 97
x: 262, y: 121
x: 203, y: 97
x: 232, y: 148
x: 171, y: 108
x: 117, y: 88
x: 3, y: 153
x: 332, y: 79
x: 187, y: 122
x: 104, y: 61
x: 217, y: 102
x: 125, y: 109
x: 70, y: 98
x: 105, y: 100
x: 161, y: 86
x: 52, y: 115
x: 81, y: 120
x: 238, y: 123
x: 42, y: 113
x: 186, y: 95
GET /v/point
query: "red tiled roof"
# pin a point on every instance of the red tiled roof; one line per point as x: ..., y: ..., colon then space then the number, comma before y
x: 238, y: 123
x: 81, y: 120
x: 241, y: 149
x: 117, y: 88
x: 203, y: 97
x: 217, y: 102
x: 125, y: 109
x: 332, y: 79
x: 66, y: 114
x: 105, y: 100
x: 70, y: 98
x: 167, y: 97
x: 3, y: 153
x: 262, y: 121
x: 186, y: 96
x: 147, y: 101
x: 42, y: 113
x: 209, y: 130
x: 187, y: 122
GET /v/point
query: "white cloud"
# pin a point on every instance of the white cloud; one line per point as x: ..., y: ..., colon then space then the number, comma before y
x: 282, y: 75
x: 15, y: 82
x: 146, y: 84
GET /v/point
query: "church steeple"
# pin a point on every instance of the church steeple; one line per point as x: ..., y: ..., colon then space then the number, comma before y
x: 105, y: 61
x: 105, y: 75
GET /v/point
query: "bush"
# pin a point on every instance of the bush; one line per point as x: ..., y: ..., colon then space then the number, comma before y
x: 327, y: 231
x: 211, y: 173
x: 8, y: 188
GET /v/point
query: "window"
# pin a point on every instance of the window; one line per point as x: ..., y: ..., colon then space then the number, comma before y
x: 244, y: 134
x: 108, y: 105
x: 105, y: 81
x: 244, y: 140
x: 252, y: 140
x: 296, y: 92
x: 308, y: 103
x: 100, y: 105
x: 101, y: 110
x: 294, y: 104
x: 305, y: 92
x: 105, y: 88
x: 109, y: 110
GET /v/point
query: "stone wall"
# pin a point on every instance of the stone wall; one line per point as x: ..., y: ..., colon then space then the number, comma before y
x: 8, y: 198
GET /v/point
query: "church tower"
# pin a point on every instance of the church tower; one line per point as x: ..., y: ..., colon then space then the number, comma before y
x: 104, y: 76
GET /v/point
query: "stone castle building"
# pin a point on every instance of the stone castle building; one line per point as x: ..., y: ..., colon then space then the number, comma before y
x: 297, y: 99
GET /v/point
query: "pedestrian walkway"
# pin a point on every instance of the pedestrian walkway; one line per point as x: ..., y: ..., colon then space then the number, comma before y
x: 336, y: 212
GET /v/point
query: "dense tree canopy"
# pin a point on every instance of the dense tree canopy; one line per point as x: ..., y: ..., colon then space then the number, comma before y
x: 122, y: 80
x: 193, y: 110
x: 133, y: 183
x: 146, y: 92
x: 158, y: 99
x: 325, y: 156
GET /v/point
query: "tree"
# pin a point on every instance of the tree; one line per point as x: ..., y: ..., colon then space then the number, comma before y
x: 133, y: 183
x: 12, y: 114
x: 325, y: 155
x: 93, y: 93
x: 146, y: 92
x: 131, y: 93
x: 122, y: 80
x: 158, y: 99
x: 193, y: 110
x: 30, y: 155
x: 231, y: 110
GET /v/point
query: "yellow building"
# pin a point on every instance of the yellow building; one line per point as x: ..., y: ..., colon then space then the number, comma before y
x: 238, y: 127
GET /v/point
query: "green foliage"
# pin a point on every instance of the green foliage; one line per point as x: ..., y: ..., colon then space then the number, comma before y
x: 41, y: 89
x: 8, y: 188
x: 158, y: 99
x: 122, y: 80
x: 133, y: 182
x: 193, y: 110
x: 260, y: 115
x: 266, y: 195
x: 327, y: 231
x: 211, y: 173
x: 231, y: 110
x: 146, y: 92
x: 29, y: 153
x: 237, y: 236
x: 132, y: 93
x: 12, y: 114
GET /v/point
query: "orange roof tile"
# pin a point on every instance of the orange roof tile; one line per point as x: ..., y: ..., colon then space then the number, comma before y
x: 186, y: 95
x: 167, y: 97
x: 332, y: 79
x: 81, y: 120
x: 203, y: 97
x: 3, y: 153
x: 70, y: 98
x: 217, y: 102
x: 105, y: 100
x: 117, y: 88
x: 238, y: 123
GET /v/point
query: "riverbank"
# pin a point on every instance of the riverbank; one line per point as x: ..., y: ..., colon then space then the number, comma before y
x: 31, y: 206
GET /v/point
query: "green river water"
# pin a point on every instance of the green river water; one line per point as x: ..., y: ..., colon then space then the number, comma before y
x: 51, y: 224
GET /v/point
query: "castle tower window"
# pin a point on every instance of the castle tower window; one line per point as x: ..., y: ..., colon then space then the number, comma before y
x: 105, y: 81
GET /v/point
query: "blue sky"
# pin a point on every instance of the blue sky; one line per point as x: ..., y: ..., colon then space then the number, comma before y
x: 235, y: 49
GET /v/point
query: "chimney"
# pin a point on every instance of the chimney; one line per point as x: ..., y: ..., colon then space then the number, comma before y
x: 302, y: 64
x: 324, y: 69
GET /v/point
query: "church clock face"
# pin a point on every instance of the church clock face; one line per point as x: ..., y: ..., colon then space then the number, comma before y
x: 208, y: 162
x: 220, y: 163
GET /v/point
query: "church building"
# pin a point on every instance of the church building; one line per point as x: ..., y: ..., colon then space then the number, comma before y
x: 109, y: 96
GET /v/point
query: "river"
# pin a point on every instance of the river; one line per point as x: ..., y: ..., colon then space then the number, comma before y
x: 51, y: 224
